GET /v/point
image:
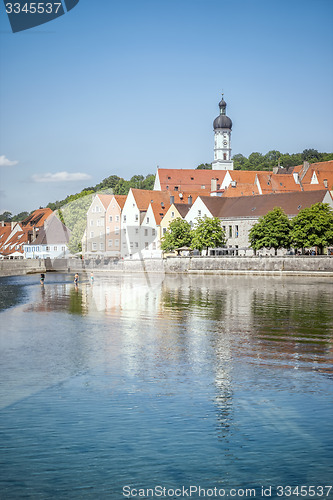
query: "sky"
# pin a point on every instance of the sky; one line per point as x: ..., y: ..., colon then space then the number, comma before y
x: 121, y: 87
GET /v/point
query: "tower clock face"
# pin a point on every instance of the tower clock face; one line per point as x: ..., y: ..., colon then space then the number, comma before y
x: 225, y: 143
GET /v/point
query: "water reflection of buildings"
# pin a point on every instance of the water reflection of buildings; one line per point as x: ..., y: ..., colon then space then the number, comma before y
x: 293, y: 325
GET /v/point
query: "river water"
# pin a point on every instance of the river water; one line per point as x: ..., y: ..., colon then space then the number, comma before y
x: 133, y: 382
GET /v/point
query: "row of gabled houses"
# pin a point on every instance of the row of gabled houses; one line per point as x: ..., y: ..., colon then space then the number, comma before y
x: 131, y: 227
x: 41, y: 235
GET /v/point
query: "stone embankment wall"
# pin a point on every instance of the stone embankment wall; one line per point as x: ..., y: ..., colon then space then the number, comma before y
x: 21, y: 267
x: 243, y: 265
x: 289, y: 265
x: 210, y: 265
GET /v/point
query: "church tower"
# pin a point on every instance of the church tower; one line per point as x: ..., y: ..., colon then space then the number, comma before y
x: 222, y: 136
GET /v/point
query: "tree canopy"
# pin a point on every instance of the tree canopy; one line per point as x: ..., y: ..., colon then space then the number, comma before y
x: 313, y: 227
x: 273, y: 230
x: 208, y: 233
x: 177, y: 235
x: 259, y: 161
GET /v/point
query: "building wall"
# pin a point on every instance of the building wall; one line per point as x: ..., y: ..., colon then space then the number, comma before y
x: 113, y: 229
x: 198, y: 209
x: 95, y: 229
x: 170, y: 216
x: 130, y: 228
x: 52, y: 251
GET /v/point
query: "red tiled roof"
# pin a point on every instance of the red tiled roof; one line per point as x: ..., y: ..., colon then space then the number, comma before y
x: 37, y: 218
x: 256, y: 206
x: 120, y: 199
x: 241, y: 189
x: 105, y: 199
x: 188, y: 179
x: 19, y: 238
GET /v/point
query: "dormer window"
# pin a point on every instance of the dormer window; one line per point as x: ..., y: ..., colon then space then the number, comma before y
x: 176, y: 188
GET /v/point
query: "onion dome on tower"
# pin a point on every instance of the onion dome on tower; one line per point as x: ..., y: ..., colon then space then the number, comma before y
x: 222, y: 121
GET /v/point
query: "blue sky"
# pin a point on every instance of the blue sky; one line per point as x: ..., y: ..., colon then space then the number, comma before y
x: 121, y: 87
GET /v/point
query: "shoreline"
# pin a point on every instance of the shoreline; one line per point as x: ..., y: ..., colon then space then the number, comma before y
x: 264, y: 266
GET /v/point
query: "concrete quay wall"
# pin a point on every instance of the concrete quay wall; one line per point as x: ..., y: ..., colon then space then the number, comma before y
x: 21, y: 267
x: 251, y: 265
x: 289, y: 265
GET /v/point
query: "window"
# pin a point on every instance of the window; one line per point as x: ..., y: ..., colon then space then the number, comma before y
x: 116, y: 243
x: 147, y: 220
x: 172, y: 214
x: 116, y: 230
x: 223, y: 227
x: 136, y: 230
x: 136, y: 218
x: 124, y: 231
x: 136, y: 244
x: 203, y: 186
x: 117, y: 218
x: 167, y: 187
x: 164, y: 230
x: 236, y: 231
x: 63, y: 248
x: 154, y: 246
x: 199, y: 213
x: 108, y: 230
x: 91, y: 222
x: 110, y: 243
x: 153, y: 232
x: 124, y: 218
x: 176, y: 188
x: 101, y: 246
x: 55, y: 248
x: 47, y: 249
x: 146, y: 232
x: 98, y: 222
x: 94, y: 246
x: 96, y: 209
x: 101, y: 234
x: 91, y: 234
x: 131, y: 244
x: 102, y: 222
x: 110, y: 218
x: 224, y: 156
x: 230, y: 231
x: 146, y: 245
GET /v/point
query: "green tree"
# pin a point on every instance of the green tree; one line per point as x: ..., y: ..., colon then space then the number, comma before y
x: 6, y: 216
x: 20, y: 216
x: 149, y: 182
x: 204, y: 166
x: 240, y: 162
x: 255, y: 161
x: 122, y: 187
x: 313, y: 227
x: 208, y: 233
x: 273, y: 230
x: 311, y: 155
x: 109, y: 182
x: 177, y: 235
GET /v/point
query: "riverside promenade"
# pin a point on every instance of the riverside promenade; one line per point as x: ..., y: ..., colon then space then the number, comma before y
x: 288, y: 265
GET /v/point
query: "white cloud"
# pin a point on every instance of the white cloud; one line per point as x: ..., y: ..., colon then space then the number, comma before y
x: 61, y: 177
x: 4, y: 162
